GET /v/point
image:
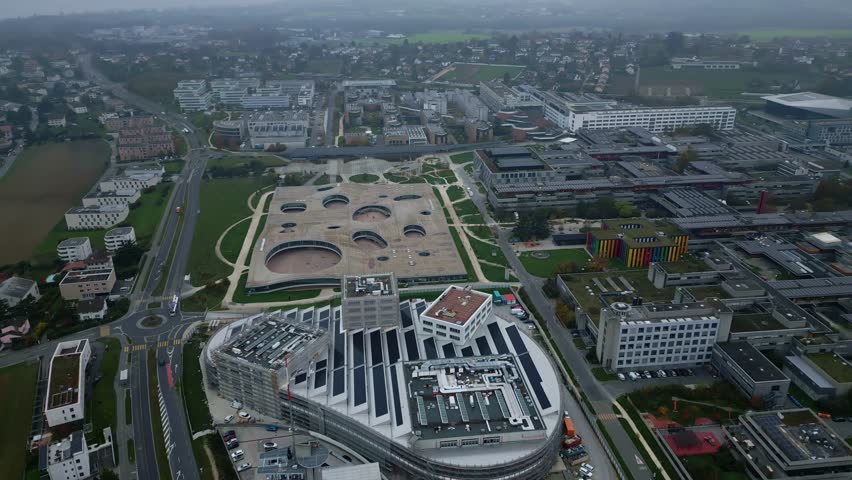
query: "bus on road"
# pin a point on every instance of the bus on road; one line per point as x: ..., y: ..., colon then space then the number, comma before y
x: 173, y: 305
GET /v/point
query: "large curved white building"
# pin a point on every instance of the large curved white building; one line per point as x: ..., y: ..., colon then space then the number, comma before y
x: 422, y: 405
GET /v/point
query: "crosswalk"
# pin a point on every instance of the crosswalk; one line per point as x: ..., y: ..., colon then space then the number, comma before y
x: 164, y: 419
x: 161, y: 344
x: 608, y: 417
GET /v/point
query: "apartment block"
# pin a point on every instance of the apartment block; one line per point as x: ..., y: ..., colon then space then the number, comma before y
x: 66, y: 383
x: 95, y: 217
x: 119, y: 237
x: 74, y: 249
x: 111, y: 197
x: 87, y: 283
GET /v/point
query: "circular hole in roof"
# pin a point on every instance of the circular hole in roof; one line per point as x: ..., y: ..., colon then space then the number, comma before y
x: 368, y: 240
x: 333, y: 227
x: 383, y: 258
x: 293, y: 207
x: 288, y: 225
x: 383, y: 196
x: 371, y: 214
x: 412, y: 231
x: 335, y: 201
x: 426, y: 212
x: 325, y: 189
x: 407, y: 197
x: 302, y: 256
x: 424, y: 253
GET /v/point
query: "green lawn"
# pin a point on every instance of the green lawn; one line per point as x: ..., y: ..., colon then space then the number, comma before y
x: 364, y: 178
x: 468, y: 266
x: 325, y: 65
x: 494, y: 273
x: 239, y: 161
x: 602, y: 375
x: 465, y: 207
x: 436, y: 36
x: 198, y: 413
x: 546, y: 268
x: 724, y: 83
x: 144, y: 218
x: 223, y: 202
x: 242, y: 296
x: 455, y: 192
x: 720, y: 466
x: 769, y: 34
x: 838, y: 368
x: 577, y: 283
x: 647, y: 434
x: 325, y: 179
x: 403, y: 180
x: 159, y: 85
x: 487, y: 251
x: 174, y: 166
x: 209, y: 298
x: 474, y: 73
x: 101, y: 411
x: 461, y: 158
x: 131, y: 451
x: 17, y: 393
x: 473, y: 219
x: 233, y: 241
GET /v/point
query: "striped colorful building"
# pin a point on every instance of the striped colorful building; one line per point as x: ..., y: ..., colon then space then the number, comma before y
x: 638, y: 241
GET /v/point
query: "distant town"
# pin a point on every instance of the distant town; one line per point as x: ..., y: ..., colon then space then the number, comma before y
x: 358, y: 250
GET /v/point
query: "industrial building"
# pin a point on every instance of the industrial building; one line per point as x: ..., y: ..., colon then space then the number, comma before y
x: 111, y: 197
x: 751, y: 372
x: 793, y: 444
x: 134, y: 181
x: 422, y: 406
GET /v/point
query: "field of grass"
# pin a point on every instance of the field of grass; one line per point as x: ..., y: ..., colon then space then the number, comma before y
x: 326, y: 65
x: 144, y: 217
x: 547, y: 267
x: 238, y: 161
x: 17, y: 393
x: 198, y: 413
x: 208, y: 298
x: 404, y: 180
x: 461, y: 158
x: 455, y: 192
x: 156, y: 421
x: 720, y: 466
x: 42, y: 184
x: 223, y: 202
x: 465, y: 207
x: 364, y: 178
x: 836, y: 367
x: 724, y: 83
x: 468, y: 266
x: 101, y: 411
x: 769, y: 34
x: 158, y: 85
x: 233, y: 241
x: 475, y: 73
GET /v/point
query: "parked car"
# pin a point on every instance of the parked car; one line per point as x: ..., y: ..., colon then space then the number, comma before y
x: 272, y: 428
x: 646, y: 374
x: 245, y: 415
x: 229, y: 419
x: 662, y: 374
x: 530, y: 327
x: 238, y: 455
x: 620, y: 376
x: 269, y: 446
x: 232, y: 444
x: 244, y: 467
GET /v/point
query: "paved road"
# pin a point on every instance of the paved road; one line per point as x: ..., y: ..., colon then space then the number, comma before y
x: 599, y: 396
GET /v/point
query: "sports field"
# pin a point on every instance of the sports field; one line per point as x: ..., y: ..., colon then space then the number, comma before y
x: 476, y: 72
x: 43, y: 183
x: 437, y: 36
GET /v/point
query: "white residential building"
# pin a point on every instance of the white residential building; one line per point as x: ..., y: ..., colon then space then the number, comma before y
x: 193, y: 95
x: 653, y: 337
x: 95, y: 217
x: 119, y: 237
x: 66, y: 382
x: 92, y: 309
x: 655, y: 120
x: 139, y: 181
x: 125, y: 196
x: 456, y: 315
x: 74, y: 249
x: 14, y: 290
x: 68, y: 459
x: 500, y: 97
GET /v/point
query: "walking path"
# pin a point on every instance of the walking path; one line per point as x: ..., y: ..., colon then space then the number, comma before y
x: 645, y: 446
x: 245, y: 251
x: 462, y: 235
x: 218, y: 248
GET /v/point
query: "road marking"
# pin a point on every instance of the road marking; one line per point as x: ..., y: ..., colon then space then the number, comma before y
x: 607, y: 417
x: 105, y: 330
x: 176, y: 341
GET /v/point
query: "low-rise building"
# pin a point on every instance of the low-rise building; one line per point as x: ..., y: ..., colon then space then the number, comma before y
x: 637, y: 241
x: 74, y: 249
x: 694, y: 63
x: 456, y: 315
x: 794, y: 444
x: 87, y: 283
x: 137, y: 181
x: 266, y: 129
x: 111, y: 197
x: 193, y: 95
x: 370, y: 301
x: 820, y: 374
x: 66, y: 383
x: 753, y: 374
x: 56, y: 120
x: 119, y: 237
x: 72, y: 458
x: 500, y: 97
x: 95, y: 217
x: 406, y: 135
x: 14, y: 290
x: 92, y: 309
x: 127, y: 120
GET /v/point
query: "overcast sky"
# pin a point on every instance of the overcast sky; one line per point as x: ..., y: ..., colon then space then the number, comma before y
x: 25, y: 8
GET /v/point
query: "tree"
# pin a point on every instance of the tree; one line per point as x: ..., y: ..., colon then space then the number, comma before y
x: 506, y: 78
x: 567, y: 267
x: 625, y: 209
x: 599, y: 263
x: 566, y: 315
x: 684, y: 159
x: 108, y: 475
x: 532, y: 226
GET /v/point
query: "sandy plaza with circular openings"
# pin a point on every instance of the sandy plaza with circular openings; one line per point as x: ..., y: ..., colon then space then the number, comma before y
x: 315, y: 235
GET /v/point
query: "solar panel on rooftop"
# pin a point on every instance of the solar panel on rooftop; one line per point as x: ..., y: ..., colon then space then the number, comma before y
x: 449, y: 351
x: 431, y: 350
x: 482, y: 344
x: 360, y: 386
x: 411, y: 346
x: 497, y: 338
x: 380, y: 399
x: 393, y: 346
x: 397, y: 404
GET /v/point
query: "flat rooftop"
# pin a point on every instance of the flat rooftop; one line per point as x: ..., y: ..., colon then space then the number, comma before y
x: 269, y: 342
x: 754, y: 363
x: 16, y: 287
x: 755, y: 322
x: 456, y: 305
x: 88, y: 275
x: 835, y: 366
x: 314, y: 236
x: 457, y: 398
x: 119, y: 232
x: 373, y: 285
x: 73, y: 242
x: 800, y: 436
x: 64, y: 386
